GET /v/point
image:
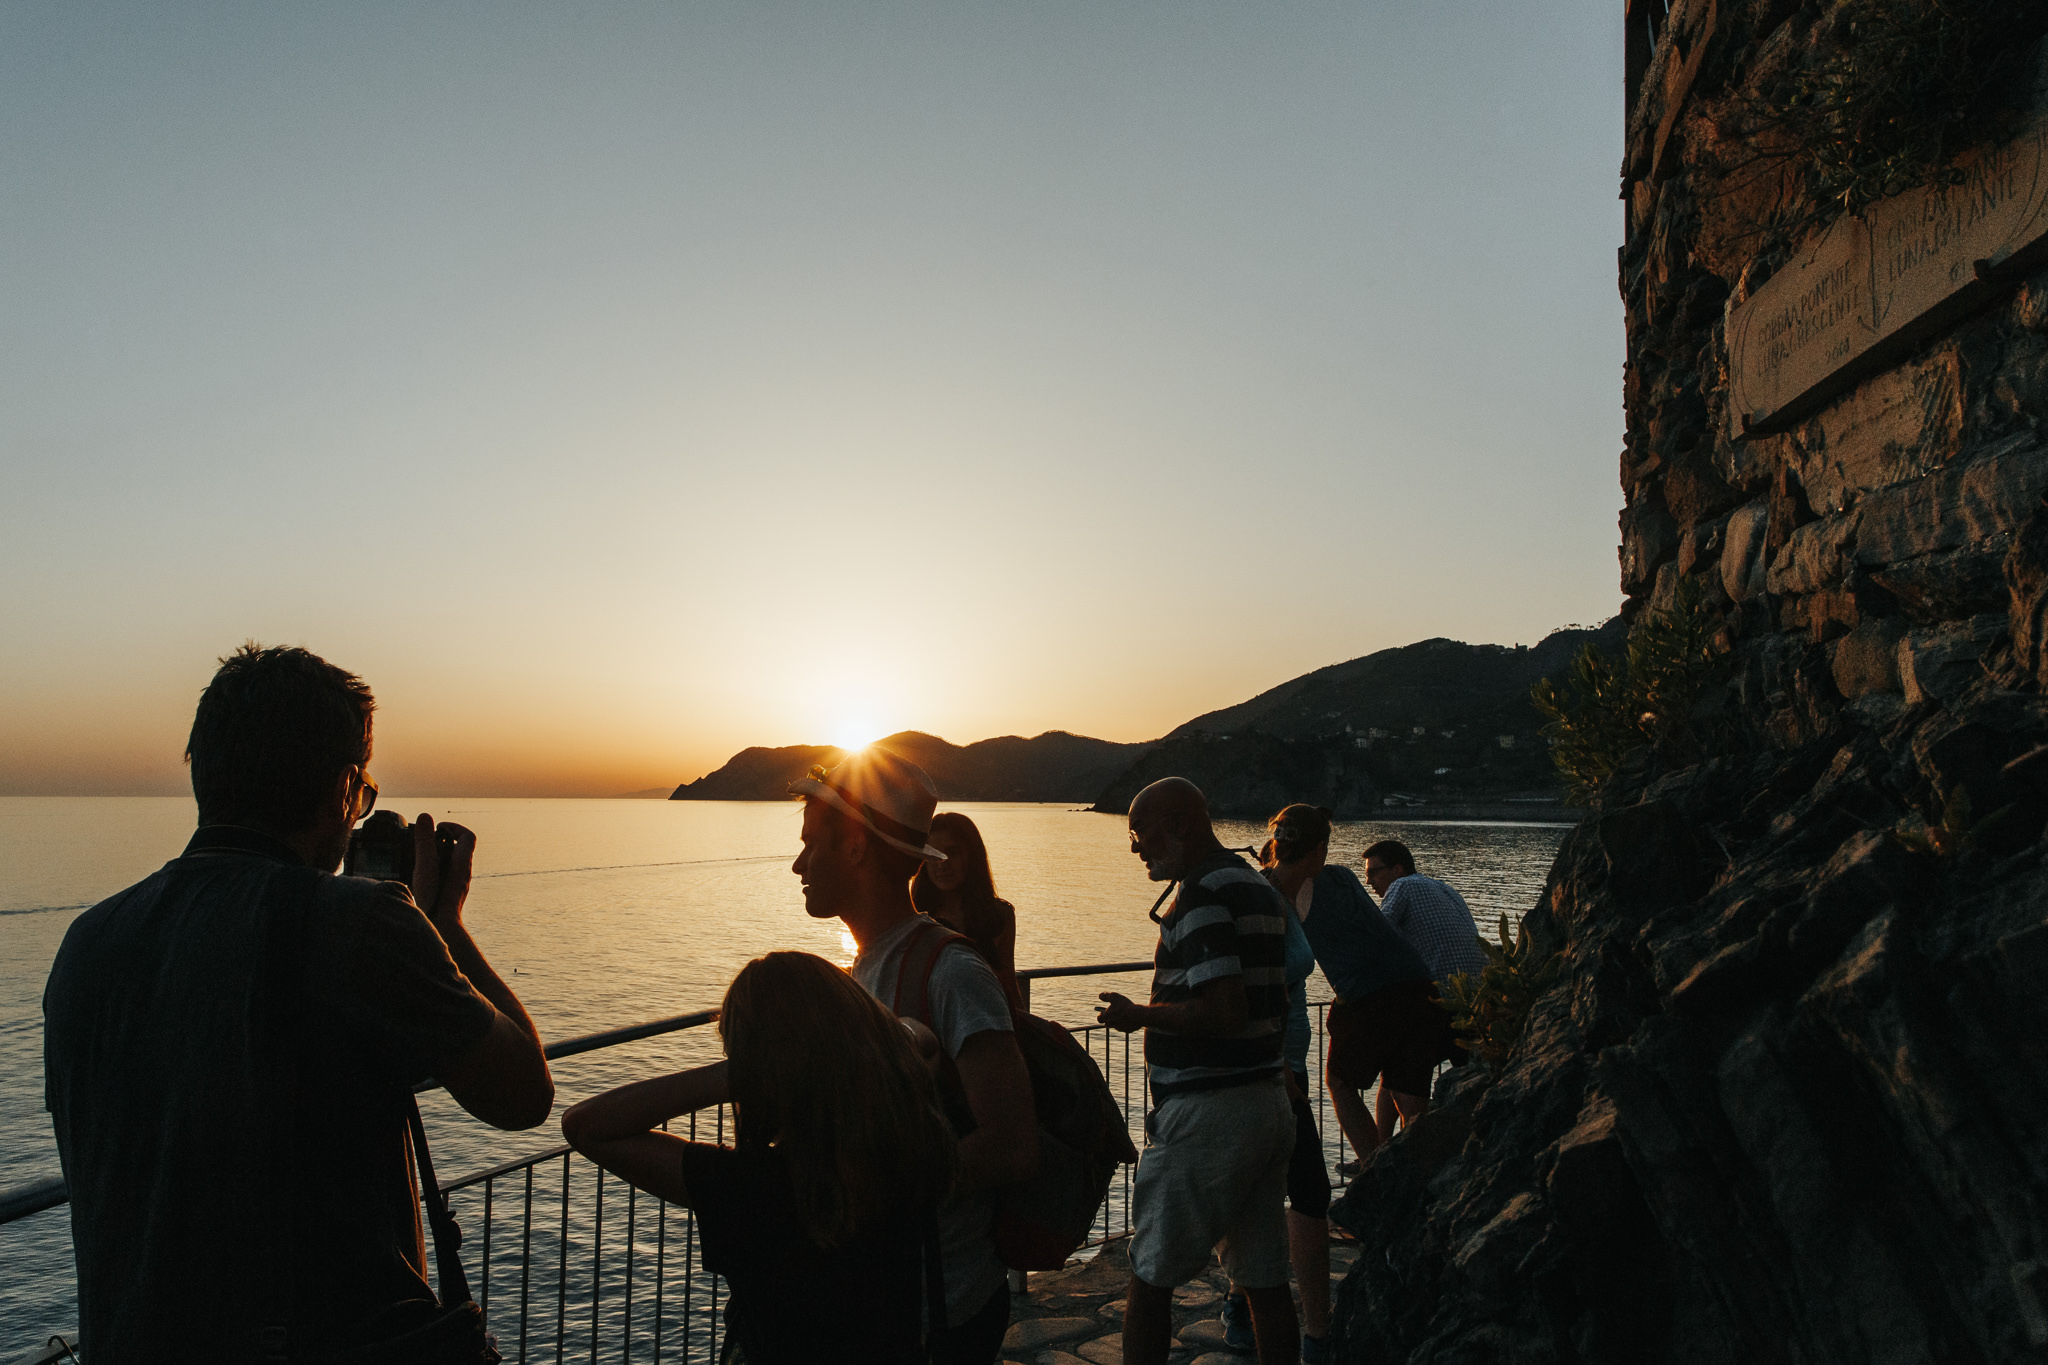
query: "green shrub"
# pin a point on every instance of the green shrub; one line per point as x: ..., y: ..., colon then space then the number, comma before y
x: 1887, y: 92
x: 1610, y: 708
x: 1955, y: 833
x: 1489, y: 1012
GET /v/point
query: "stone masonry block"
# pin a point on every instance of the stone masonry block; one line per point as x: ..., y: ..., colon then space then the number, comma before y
x: 1958, y: 505
x: 1888, y: 429
x: 1814, y: 557
x: 1742, y: 550
x: 1866, y: 660
x: 1940, y: 662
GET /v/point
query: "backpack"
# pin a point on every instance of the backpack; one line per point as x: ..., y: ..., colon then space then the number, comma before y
x: 1082, y: 1137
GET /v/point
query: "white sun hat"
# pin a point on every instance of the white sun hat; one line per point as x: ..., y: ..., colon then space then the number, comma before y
x: 889, y: 794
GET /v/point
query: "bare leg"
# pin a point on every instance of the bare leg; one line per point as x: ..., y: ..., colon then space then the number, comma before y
x: 1272, y: 1319
x: 1148, y: 1323
x: 1352, y: 1117
x: 1384, y: 1113
x: 1411, y: 1107
x: 1308, y: 1248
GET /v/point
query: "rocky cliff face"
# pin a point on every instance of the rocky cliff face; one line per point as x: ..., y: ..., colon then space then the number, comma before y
x: 1790, y: 1102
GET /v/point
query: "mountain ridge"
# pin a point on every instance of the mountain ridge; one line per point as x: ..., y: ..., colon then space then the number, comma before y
x: 1054, y: 766
x: 1437, y: 722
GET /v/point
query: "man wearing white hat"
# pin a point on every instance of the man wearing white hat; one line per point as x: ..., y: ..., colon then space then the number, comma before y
x: 866, y: 828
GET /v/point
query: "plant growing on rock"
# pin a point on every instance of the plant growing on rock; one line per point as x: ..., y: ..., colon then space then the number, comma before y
x: 1489, y: 1011
x: 1887, y: 92
x: 1951, y: 835
x: 1609, y: 709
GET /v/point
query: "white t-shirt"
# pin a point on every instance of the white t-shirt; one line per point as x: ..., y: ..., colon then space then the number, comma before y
x: 966, y: 999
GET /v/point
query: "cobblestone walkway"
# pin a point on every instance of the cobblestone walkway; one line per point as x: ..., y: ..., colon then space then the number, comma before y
x: 1075, y: 1316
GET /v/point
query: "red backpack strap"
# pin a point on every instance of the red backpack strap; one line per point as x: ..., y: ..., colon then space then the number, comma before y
x: 930, y: 939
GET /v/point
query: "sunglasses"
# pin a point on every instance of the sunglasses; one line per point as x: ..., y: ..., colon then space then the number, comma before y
x: 366, y: 795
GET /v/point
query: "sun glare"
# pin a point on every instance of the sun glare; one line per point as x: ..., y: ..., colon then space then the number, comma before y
x: 855, y: 735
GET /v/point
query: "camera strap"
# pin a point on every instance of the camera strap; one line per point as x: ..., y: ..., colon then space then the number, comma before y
x: 279, y: 1015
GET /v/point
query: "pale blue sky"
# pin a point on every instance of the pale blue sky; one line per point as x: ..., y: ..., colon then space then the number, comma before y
x: 614, y: 385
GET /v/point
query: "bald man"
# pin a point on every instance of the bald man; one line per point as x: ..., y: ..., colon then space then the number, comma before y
x: 1221, y: 1124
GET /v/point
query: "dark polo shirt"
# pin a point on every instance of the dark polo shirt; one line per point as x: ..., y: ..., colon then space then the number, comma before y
x: 186, y: 1060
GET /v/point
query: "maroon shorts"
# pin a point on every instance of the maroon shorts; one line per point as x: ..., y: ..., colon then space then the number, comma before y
x: 1400, y: 1033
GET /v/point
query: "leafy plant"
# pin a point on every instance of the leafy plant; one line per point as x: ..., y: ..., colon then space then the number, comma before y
x: 1609, y: 708
x: 1889, y: 91
x: 1954, y: 833
x: 1489, y: 1011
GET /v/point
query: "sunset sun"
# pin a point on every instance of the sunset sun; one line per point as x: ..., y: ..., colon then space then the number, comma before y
x: 855, y: 733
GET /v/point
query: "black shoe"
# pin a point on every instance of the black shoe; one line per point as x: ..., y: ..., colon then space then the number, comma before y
x: 1237, y: 1326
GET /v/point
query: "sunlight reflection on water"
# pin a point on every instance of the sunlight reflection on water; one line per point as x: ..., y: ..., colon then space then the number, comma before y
x: 605, y: 913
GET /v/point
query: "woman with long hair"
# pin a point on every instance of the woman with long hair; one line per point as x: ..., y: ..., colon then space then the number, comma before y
x: 818, y: 1216
x: 960, y: 893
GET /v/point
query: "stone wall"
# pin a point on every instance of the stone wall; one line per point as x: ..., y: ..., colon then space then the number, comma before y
x: 1791, y: 1101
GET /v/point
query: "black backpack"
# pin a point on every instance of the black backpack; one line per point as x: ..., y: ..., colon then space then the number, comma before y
x: 1082, y: 1137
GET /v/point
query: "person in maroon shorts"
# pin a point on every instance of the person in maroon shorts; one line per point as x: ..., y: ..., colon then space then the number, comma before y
x: 1387, y: 1025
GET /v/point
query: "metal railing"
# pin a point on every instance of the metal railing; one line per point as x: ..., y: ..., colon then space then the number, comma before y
x: 568, y: 1262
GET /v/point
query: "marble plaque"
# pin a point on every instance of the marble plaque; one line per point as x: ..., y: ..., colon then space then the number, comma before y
x: 1877, y: 284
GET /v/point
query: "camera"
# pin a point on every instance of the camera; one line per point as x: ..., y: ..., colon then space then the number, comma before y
x: 381, y: 848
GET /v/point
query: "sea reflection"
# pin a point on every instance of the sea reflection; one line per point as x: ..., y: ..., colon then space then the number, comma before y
x: 606, y: 913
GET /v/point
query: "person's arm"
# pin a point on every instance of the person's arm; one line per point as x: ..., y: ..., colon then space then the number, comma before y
x: 1005, y: 959
x: 1218, y: 1009
x: 620, y: 1129
x: 1003, y: 1148
x: 504, y: 1078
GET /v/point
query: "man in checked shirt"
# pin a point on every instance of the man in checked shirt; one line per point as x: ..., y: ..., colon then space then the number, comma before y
x: 1432, y: 917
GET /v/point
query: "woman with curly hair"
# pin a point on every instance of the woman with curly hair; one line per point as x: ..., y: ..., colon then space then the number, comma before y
x: 819, y: 1215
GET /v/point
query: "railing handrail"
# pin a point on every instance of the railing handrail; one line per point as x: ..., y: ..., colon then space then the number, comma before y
x: 19, y: 1201
x: 1095, y: 969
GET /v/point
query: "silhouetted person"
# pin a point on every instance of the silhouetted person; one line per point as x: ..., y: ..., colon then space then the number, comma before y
x: 867, y: 827
x: 230, y: 1047
x: 1386, y: 1025
x: 1431, y: 915
x: 959, y: 892
x: 1308, y: 1177
x: 1221, y: 1125
x: 1437, y: 924
x: 816, y: 1215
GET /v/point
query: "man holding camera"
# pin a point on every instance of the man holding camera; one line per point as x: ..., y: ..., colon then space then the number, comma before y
x: 230, y: 1047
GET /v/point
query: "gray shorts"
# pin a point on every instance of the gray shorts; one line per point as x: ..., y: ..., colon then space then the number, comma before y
x: 1216, y: 1172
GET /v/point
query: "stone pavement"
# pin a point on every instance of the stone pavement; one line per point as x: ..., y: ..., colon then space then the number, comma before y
x: 1075, y: 1316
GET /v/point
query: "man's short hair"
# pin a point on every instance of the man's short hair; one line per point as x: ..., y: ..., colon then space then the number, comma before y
x: 1395, y: 852
x: 887, y: 858
x: 274, y: 730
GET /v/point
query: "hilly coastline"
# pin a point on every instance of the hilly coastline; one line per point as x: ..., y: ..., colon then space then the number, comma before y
x: 1054, y: 766
x: 1434, y: 728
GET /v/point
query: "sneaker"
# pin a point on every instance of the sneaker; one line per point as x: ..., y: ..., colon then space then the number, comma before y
x: 1237, y: 1326
x: 1348, y: 1170
x: 1315, y: 1350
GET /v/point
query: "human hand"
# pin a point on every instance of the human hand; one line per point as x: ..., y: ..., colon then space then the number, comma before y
x: 441, y: 896
x: 1120, y: 1012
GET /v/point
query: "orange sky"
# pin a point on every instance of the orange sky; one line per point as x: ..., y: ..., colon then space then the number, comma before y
x: 616, y: 395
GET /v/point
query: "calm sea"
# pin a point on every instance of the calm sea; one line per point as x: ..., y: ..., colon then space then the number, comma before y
x: 607, y: 913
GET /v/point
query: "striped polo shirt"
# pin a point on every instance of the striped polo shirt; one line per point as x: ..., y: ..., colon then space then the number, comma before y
x: 1226, y: 921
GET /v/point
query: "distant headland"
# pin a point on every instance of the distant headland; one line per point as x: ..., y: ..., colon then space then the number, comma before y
x: 1434, y: 729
